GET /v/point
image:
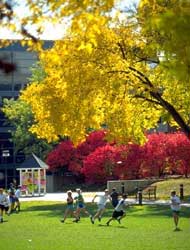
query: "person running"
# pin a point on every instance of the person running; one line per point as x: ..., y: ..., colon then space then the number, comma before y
x: 70, y: 207
x: 3, y: 204
x: 175, y: 207
x: 119, y: 211
x: 114, y: 197
x: 80, y: 205
x: 101, y: 205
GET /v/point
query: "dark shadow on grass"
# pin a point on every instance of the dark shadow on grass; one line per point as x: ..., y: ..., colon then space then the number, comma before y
x: 120, y: 226
x: 156, y: 210
x: 177, y: 230
x: 4, y: 221
x: 57, y: 210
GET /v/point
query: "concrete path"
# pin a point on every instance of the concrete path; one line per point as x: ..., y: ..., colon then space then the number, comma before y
x: 88, y: 196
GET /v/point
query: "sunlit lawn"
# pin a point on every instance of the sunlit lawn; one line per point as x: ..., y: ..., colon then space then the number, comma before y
x: 164, y: 187
x: 148, y: 227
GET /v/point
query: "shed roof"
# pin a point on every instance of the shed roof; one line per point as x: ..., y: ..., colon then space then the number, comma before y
x: 33, y: 162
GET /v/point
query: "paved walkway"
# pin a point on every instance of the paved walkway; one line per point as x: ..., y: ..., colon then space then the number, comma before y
x: 88, y: 196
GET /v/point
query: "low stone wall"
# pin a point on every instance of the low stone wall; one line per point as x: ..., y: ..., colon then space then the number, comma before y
x: 129, y: 185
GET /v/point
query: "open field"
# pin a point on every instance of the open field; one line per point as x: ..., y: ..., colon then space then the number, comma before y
x: 38, y: 227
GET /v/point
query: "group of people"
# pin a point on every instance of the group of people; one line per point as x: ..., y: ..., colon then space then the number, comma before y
x: 119, y: 206
x: 9, y: 200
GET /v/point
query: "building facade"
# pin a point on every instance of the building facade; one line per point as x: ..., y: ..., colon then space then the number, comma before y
x: 10, y: 86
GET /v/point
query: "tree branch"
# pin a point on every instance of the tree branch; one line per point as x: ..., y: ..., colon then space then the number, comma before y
x: 147, y: 99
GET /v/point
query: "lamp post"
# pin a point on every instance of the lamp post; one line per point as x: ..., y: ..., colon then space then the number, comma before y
x: 5, y: 155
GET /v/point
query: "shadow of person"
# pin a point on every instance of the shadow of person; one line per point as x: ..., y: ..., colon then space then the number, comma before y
x: 105, y: 225
x: 177, y: 229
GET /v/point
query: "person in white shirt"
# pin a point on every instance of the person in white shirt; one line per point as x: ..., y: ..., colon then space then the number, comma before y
x: 17, y: 196
x: 175, y: 207
x: 3, y: 204
x: 119, y: 211
x: 102, y: 200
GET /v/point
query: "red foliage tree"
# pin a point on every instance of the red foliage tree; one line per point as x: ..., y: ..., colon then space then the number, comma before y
x: 154, y: 159
x: 128, y: 166
x: 99, y: 165
x: 112, y: 162
x: 166, y: 153
x: 93, y: 140
x: 62, y: 156
x: 66, y: 155
x: 99, y: 161
x: 179, y: 153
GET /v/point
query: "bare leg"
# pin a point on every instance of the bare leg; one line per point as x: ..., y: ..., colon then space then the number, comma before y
x: 176, y: 219
x: 98, y: 213
x: 17, y: 206
x: 67, y: 212
x: 108, y: 222
x: 1, y: 215
x: 120, y: 218
x: 86, y: 211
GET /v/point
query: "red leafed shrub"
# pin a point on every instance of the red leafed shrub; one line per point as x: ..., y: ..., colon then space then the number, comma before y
x: 155, y: 155
x: 166, y: 154
x: 128, y: 166
x: 99, y: 165
x: 61, y: 156
x: 113, y: 162
x: 179, y: 153
x: 65, y: 154
x: 93, y: 140
x: 99, y: 161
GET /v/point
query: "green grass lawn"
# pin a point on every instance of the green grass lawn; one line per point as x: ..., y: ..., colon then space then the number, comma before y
x: 38, y: 227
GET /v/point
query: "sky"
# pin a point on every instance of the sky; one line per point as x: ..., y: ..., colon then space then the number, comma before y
x: 52, y: 31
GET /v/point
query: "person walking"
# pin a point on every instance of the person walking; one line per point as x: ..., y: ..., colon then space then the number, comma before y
x: 175, y: 207
x: 102, y: 200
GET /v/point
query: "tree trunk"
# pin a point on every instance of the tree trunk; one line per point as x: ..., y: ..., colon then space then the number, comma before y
x: 176, y: 116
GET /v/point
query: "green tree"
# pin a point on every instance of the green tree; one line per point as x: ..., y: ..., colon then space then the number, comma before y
x: 20, y: 118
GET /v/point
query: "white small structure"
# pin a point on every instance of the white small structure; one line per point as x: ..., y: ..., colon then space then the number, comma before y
x: 33, y: 176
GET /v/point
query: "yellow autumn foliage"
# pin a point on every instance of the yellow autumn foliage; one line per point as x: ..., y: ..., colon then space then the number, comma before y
x: 107, y: 70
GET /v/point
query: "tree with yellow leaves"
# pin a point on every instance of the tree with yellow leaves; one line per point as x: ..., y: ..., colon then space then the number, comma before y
x: 102, y: 73
x: 106, y: 71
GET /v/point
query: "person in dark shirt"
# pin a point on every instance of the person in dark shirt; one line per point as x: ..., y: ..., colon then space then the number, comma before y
x: 114, y: 197
x: 119, y: 211
x: 70, y: 207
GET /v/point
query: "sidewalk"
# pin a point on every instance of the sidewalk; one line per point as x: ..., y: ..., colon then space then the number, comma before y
x: 88, y: 196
